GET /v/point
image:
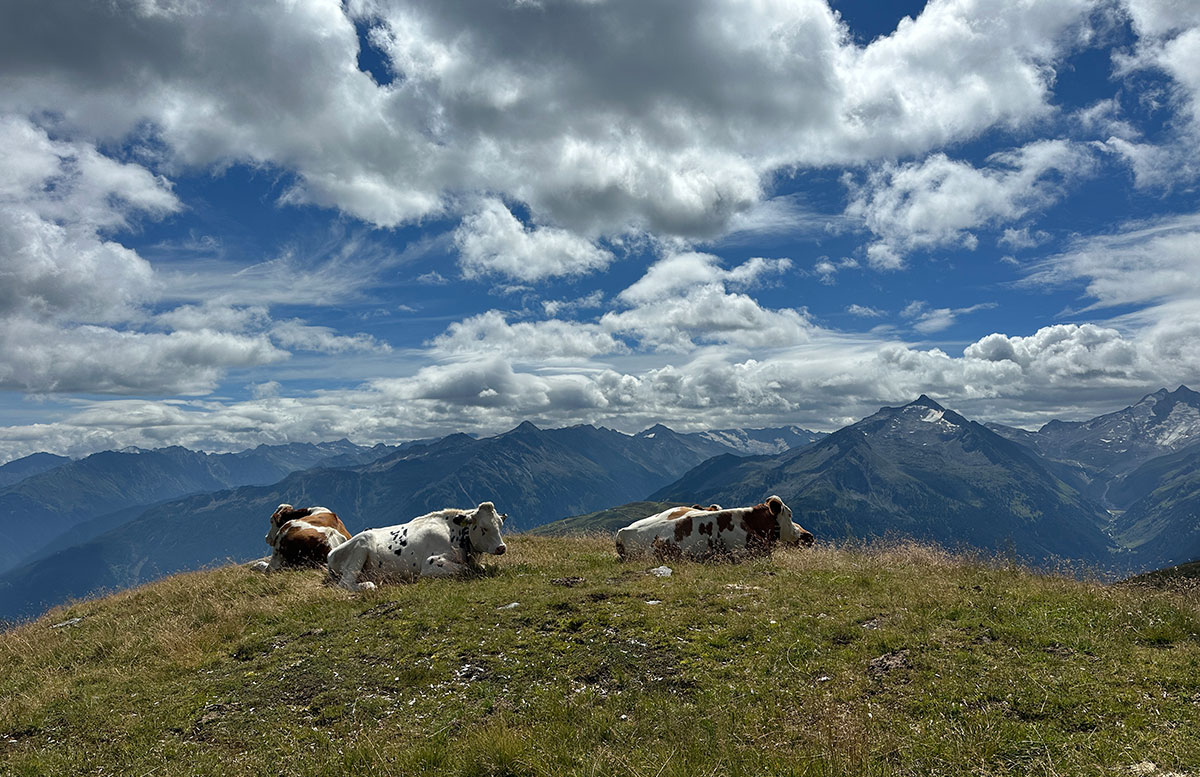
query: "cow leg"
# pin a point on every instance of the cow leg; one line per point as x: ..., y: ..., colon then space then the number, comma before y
x: 346, y: 564
x: 275, y: 564
x: 442, y: 565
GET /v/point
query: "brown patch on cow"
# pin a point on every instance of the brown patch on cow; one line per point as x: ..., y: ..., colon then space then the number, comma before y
x: 329, y: 520
x: 683, y: 528
x: 706, y: 528
x: 725, y: 521
x: 697, y: 507
x: 761, y: 527
x: 286, y: 512
x: 303, y: 547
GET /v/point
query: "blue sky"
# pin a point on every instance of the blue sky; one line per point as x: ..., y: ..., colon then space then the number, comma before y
x: 227, y: 223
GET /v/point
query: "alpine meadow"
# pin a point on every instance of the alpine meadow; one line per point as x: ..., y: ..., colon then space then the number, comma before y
x: 500, y: 388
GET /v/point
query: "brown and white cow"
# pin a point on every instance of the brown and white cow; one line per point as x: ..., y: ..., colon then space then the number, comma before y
x: 706, y: 533
x: 303, y: 537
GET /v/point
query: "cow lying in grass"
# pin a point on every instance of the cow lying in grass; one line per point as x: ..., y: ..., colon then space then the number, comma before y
x: 302, y: 537
x: 441, y: 543
x: 707, y: 533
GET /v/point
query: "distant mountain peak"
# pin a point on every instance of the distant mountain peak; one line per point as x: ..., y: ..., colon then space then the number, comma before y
x: 525, y: 427
x: 925, y: 401
x: 656, y: 430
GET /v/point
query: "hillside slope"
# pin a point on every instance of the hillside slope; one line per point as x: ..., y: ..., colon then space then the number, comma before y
x: 562, y: 661
x: 1162, y: 526
x: 608, y: 520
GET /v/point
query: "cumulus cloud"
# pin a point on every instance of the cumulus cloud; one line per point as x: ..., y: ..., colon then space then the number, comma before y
x: 684, y: 270
x: 75, y: 303
x: 937, y: 202
x: 493, y: 241
x: 1168, y: 43
x: 822, y: 382
x: 561, y: 106
x: 525, y: 341
x: 86, y: 359
x: 72, y: 299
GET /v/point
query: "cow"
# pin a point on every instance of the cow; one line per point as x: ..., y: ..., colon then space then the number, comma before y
x: 438, y: 544
x: 653, y: 520
x: 303, y: 537
x: 703, y: 533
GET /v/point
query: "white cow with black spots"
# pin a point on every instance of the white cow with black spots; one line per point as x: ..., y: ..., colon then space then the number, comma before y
x: 441, y: 543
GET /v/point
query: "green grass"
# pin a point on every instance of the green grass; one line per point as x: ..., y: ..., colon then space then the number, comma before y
x: 886, y: 661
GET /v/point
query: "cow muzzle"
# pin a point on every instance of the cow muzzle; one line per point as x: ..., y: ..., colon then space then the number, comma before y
x: 500, y: 550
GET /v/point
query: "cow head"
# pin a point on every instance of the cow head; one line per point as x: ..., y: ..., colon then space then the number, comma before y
x: 484, y: 525
x: 803, y: 536
x: 284, y: 513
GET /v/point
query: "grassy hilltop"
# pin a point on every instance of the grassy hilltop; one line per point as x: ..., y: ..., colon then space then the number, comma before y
x: 900, y: 661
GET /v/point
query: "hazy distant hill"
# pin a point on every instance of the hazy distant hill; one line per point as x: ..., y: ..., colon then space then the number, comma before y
x: 608, y: 520
x: 17, y: 470
x: 534, y: 475
x: 920, y: 471
x: 40, y: 508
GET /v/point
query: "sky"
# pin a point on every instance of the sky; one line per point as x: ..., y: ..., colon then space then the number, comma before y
x: 226, y: 223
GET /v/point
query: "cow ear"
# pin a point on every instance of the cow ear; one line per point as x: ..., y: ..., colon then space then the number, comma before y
x: 775, y: 504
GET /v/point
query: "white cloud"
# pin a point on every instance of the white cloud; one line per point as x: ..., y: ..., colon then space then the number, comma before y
x: 432, y: 278
x: 525, y: 342
x: 86, y: 359
x: 493, y: 241
x: 825, y: 270
x: 937, y: 202
x: 587, y: 302
x: 1169, y: 43
x: 928, y: 320
x: 678, y: 272
x: 297, y: 335
x: 708, y: 314
x: 1144, y: 263
x: 864, y: 311
x: 598, y: 133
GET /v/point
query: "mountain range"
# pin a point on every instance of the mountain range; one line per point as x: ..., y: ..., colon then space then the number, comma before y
x: 918, y: 471
x: 1119, y: 492
x: 60, y: 494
